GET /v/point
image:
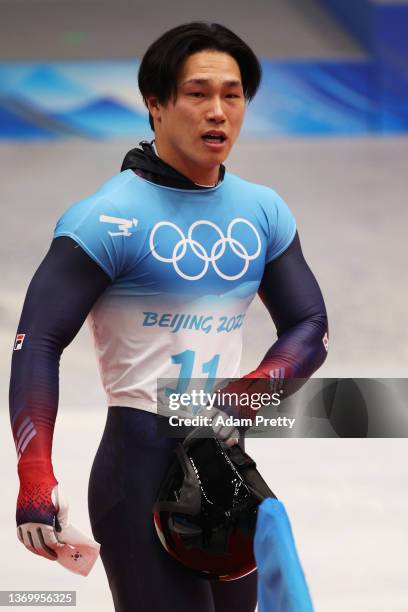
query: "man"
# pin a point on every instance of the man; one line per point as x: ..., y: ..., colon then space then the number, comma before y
x: 165, y: 258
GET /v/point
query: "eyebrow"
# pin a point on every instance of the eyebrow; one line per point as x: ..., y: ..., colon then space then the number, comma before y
x: 231, y: 83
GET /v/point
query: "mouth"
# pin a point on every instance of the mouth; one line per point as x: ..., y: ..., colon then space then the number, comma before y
x: 215, y: 139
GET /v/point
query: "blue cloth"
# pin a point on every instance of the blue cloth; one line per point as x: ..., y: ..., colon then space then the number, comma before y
x: 185, y: 266
x: 281, y: 583
x: 119, y: 225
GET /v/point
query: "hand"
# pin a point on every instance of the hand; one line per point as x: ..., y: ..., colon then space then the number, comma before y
x: 61, y: 542
x: 41, y: 502
x: 228, y: 434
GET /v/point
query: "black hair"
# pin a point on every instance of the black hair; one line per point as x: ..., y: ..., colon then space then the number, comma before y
x: 161, y: 64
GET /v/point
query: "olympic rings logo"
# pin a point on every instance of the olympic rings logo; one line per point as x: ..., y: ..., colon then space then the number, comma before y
x: 217, y: 250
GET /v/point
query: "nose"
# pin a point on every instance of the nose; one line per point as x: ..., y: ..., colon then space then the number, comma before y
x: 215, y: 112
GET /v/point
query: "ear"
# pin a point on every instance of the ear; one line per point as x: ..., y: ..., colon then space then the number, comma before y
x: 154, y: 107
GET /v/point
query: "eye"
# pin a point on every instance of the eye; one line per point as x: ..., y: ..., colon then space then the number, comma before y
x: 196, y: 94
x: 231, y: 95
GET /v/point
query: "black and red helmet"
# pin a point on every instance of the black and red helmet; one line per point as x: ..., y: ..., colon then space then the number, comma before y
x: 205, y: 513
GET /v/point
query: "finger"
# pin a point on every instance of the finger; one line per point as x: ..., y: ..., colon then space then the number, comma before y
x: 50, y: 537
x: 31, y: 546
x: 222, y: 432
x: 40, y: 545
x: 25, y: 538
x: 231, y: 442
x: 20, y: 534
x: 216, y: 429
x: 226, y: 433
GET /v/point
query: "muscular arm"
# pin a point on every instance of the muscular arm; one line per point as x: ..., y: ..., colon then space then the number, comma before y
x: 60, y: 296
x: 293, y: 298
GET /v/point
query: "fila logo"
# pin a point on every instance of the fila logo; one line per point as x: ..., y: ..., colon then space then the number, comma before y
x: 124, y: 225
x: 18, y: 343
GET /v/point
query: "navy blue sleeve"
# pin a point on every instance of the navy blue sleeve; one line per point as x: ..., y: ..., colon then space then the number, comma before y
x: 293, y: 298
x: 60, y: 296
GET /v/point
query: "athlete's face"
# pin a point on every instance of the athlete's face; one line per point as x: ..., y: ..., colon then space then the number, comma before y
x: 196, y: 130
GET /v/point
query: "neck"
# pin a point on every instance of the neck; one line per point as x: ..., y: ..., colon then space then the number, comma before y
x: 204, y: 177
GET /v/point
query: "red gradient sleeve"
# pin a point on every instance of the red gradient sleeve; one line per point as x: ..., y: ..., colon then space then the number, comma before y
x: 59, y: 297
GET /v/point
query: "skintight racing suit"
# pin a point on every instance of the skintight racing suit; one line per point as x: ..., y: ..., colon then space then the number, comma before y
x: 164, y: 270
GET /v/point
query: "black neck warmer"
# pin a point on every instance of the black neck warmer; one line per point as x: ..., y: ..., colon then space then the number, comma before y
x: 144, y: 162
